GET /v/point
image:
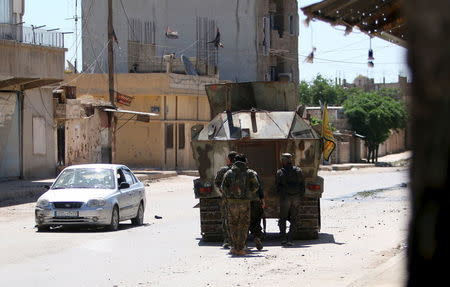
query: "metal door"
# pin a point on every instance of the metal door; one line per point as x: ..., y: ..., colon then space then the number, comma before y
x: 9, y: 136
x: 262, y: 157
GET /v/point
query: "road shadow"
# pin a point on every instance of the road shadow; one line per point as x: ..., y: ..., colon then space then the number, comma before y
x: 273, y: 239
x: 92, y: 229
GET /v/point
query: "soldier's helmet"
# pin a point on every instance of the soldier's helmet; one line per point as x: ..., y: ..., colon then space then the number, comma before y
x: 232, y: 155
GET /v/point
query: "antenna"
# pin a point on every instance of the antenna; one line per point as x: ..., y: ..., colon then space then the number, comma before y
x: 75, y: 18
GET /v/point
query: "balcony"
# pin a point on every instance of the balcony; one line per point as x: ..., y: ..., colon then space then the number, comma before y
x: 31, y: 35
x: 29, y: 57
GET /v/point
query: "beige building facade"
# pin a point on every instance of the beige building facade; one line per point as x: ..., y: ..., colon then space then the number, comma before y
x: 141, y: 141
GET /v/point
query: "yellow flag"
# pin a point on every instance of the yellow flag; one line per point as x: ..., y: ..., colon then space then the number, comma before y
x: 329, y: 142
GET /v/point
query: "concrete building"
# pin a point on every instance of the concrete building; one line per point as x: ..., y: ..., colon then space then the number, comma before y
x: 161, y: 141
x: 368, y: 84
x: 30, y: 61
x: 259, y: 37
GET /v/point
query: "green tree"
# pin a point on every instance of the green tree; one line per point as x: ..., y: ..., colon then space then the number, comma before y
x: 374, y: 115
x: 322, y: 90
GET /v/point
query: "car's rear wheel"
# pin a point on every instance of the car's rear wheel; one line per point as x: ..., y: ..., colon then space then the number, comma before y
x: 114, y: 225
x: 139, y: 219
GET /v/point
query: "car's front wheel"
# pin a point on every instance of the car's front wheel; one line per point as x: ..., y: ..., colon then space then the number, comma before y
x: 139, y: 219
x: 114, y: 225
x: 43, y: 228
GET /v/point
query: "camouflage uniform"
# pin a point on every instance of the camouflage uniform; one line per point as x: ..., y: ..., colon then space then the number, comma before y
x: 218, y: 181
x: 290, y: 186
x: 256, y: 213
x: 239, y: 185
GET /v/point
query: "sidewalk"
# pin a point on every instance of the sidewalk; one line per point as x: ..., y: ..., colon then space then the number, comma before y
x: 391, y: 160
x: 24, y: 191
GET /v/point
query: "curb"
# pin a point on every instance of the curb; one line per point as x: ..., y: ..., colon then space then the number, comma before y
x: 345, y: 166
x: 349, y: 166
x: 154, y: 175
x: 151, y: 175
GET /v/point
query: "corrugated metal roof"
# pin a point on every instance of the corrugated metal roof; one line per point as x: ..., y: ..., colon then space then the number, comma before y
x: 257, y: 125
x: 379, y: 18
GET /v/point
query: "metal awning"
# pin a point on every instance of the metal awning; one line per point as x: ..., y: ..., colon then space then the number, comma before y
x: 378, y: 18
x: 27, y: 83
x: 130, y: 112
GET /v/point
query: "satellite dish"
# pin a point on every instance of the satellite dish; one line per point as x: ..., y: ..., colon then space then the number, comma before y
x: 171, y: 34
x: 188, y: 67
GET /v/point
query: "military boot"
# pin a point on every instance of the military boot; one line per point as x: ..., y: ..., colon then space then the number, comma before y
x: 282, y: 226
x: 289, y: 241
x: 226, y: 244
x: 258, y: 243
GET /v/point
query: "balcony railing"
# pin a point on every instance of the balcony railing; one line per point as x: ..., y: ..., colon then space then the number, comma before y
x: 31, y: 35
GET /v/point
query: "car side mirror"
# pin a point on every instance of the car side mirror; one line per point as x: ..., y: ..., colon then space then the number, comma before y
x: 124, y: 185
x: 46, y: 187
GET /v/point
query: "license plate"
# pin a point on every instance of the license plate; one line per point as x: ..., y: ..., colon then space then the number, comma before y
x: 66, y: 213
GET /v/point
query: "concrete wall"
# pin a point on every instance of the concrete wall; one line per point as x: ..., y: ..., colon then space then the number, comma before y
x: 394, y: 144
x: 180, y: 99
x: 40, y: 162
x: 240, y: 23
x: 30, y: 61
x: 350, y: 149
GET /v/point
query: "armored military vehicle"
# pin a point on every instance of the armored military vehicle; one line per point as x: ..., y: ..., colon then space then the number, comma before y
x: 261, y: 120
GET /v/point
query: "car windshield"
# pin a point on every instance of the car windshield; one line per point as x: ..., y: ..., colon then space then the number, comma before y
x: 102, y: 178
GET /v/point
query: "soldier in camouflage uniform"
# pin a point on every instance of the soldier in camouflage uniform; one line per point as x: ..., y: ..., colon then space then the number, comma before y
x: 256, y: 212
x: 290, y: 185
x: 218, y: 181
x: 239, y: 185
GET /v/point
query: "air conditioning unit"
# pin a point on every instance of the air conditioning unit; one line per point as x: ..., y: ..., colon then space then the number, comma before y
x: 285, y: 77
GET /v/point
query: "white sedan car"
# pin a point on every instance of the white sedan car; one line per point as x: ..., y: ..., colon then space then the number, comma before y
x: 92, y: 194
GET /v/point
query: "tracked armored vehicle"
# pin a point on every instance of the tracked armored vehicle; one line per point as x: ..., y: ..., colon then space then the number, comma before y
x: 261, y: 120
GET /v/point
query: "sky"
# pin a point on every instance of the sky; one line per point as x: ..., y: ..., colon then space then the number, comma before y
x: 336, y: 56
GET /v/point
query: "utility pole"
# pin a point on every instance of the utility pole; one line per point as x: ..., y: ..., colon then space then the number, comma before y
x: 76, y: 36
x: 111, y: 54
x: 112, y: 119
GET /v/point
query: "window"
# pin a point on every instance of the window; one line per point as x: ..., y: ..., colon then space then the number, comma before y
x: 39, y: 143
x: 128, y: 176
x: 291, y: 25
x: 266, y: 31
x: 5, y: 11
x: 169, y: 135
x: 181, y: 136
x: 273, y: 73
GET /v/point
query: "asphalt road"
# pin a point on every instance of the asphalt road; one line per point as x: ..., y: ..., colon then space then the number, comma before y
x: 341, y: 185
x: 168, y: 251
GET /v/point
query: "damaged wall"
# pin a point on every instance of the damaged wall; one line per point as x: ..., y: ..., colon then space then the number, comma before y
x: 86, y: 136
x: 162, y: 141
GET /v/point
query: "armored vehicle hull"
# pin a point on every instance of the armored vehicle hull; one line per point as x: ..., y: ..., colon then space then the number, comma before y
x: 262, y: 136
